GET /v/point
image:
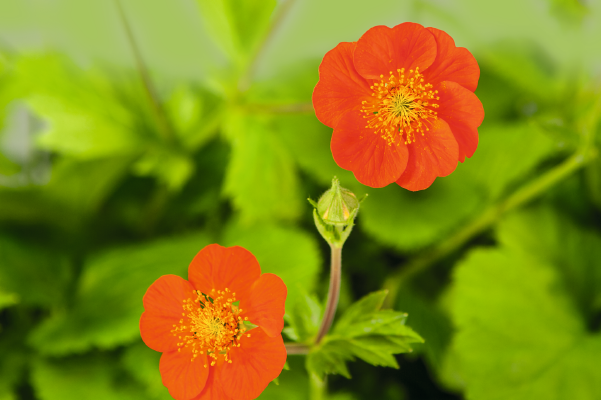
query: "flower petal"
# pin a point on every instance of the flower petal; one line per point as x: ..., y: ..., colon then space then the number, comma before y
x: 431, y: 155
x: 340, y: 87
x: 217, y: 267
x: 452, y: 63
x: 185, y: 379
x: 463, y: 111
x: 372, y: 159
x: 163, y: 308
x: 257, y: 361
x: 266, y: 304
x: 382, y: 49
x: 213, y: 389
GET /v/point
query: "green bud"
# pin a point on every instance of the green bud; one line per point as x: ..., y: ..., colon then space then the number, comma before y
x: 335, y: 212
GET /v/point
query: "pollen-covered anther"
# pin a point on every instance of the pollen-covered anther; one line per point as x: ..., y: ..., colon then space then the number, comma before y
x: 211, y: 324
x: 401, y: 106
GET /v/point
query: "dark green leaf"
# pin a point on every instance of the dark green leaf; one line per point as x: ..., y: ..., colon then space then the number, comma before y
x: 108, y: 301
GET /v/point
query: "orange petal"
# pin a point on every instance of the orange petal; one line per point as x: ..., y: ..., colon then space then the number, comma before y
x: 373, y: 160
x: 257, y: 361
x: 382, y: 49
x: 217, y: 267
x: 184, y: 378
x: 463, y: 111
x: 431, y: 155
x: 452, y: 63
x: 213, y: 389
x: 340, y: 87
x: 266, y: 304
x: 163, y: 303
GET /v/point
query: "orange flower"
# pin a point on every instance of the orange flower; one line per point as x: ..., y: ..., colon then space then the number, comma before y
x: 402, y: 104
x: 208, y: 352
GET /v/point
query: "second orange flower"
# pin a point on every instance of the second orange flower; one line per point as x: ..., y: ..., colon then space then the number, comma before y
x: 402, y: 104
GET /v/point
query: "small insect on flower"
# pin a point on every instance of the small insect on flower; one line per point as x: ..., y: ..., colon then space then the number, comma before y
x: 200, y: 326
x: 402, y: 104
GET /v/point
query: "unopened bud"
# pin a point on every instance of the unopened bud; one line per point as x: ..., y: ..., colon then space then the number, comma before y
x: 335, y: 212
x: 337, y: 204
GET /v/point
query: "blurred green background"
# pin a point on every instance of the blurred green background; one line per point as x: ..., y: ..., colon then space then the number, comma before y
x: 122, y: 155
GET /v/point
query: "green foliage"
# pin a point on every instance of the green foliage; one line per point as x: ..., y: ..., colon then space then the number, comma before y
x: 303, y: 318
x: 237, y: 25
x: 108, y: 301
x: 297, y: 265
x: 7, y: 167
x: 364, y: 331
x: 143, y: 364
x: 261, y: 177
x: 520, y: 334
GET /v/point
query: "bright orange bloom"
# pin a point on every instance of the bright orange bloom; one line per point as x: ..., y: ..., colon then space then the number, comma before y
x: 198, y: 325
x: 402, y: 104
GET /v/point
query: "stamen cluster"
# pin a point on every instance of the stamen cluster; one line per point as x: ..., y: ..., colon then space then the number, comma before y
x: 211, y: 323
x: 399, y: 105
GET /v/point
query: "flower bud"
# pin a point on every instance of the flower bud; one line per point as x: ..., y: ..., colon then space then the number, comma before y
x: 335, y: 212
x: 337, y: 204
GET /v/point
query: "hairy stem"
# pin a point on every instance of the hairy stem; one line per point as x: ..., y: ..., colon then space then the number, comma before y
x: 518, y: 198
x: 296, y: 348
x: 159, y: 113
x: 333, y: 293
x: 318, y: 387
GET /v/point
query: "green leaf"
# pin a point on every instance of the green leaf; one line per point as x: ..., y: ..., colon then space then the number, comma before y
x: 507, y: 153
x: 288, y: 252
x: 261, y: 177
x: 7, y: 167
x: 81, y: 378
x: 304, y: 318
x: 108, y: 299
x: 143, y: 364
x: 7, y: 299
x: 552, y: 239
x: 293, y: 383
x: 85, y: 112
x: 33, y: 275
x: 366, y: 332
x: 519, y: 335
x: 237, y: 25
x: 411, y: 220
x: 171, y: 167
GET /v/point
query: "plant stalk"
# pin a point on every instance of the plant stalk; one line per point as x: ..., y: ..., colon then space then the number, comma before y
x: 333, y: 292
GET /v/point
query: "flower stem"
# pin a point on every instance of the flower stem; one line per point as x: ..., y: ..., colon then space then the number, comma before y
x: 163, y: 124
x: 333, y: 292
x: 296, y: 348
x: 518, y: 198
x: 318, y: 387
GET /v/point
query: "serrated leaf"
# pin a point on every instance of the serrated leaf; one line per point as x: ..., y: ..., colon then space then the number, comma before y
x: 360, y: 310
x: 108, y: 301
x: 330, y: 358
x: 519, y: 335
x: 261, y: 177
x: 288, y: 252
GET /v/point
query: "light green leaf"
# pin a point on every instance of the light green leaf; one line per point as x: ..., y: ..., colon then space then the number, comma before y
x: 330, y: 358
x: 173, y: 168
x: 108, y: 301
x: 236, y: 25
x: 360, y: 310
x: 288, y: 252
x: 519, y: 335
x: 261, y: 177
x: 546, y: 235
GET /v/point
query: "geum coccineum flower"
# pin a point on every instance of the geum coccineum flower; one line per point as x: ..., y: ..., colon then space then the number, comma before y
x: 402, y: 104
x: 209, y: 353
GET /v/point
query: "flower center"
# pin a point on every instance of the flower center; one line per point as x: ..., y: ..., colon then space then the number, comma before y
x: 399, y: 105
x: 211, y: 323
